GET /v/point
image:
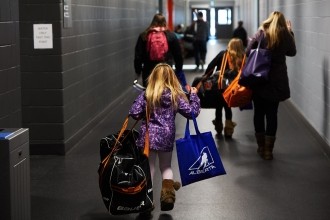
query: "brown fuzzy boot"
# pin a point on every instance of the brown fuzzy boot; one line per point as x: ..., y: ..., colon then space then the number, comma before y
x: 269, y: 146
x: 167, y: 196
x: 229, y: 128
x: 261, y: 143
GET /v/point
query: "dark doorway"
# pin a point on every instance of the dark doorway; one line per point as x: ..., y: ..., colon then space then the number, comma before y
x: 224, y: 22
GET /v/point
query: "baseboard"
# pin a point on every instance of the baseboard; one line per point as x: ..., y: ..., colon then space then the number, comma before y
x: 325, y: 146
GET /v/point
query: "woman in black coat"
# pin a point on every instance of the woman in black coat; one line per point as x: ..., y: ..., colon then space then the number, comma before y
x: 276, y: 35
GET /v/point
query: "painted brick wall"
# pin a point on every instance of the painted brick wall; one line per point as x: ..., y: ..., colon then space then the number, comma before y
x: 309, y: 70
x: 66, y: 90
x: 179, y: 12
x: 10, y: 86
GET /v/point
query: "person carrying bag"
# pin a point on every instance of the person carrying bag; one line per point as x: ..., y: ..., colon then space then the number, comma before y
x: 163, y: 98
x: 124, y: 173
x: 275, y: 34
x: 226, y: 65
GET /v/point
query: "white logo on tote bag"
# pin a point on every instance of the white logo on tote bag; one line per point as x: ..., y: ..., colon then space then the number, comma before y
x: 204, y: 162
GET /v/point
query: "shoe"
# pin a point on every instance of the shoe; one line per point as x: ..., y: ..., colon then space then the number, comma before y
x: 229, y: 128
x: 197, y: 68
x: 202, y: 64
x: 260, y: 137
x: 167, y: 197
x: 269, y: 146
x: 218, y: 126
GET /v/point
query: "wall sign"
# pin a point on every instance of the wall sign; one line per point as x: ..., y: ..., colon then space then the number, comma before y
x: 43, y: 36
x: 67, y: 17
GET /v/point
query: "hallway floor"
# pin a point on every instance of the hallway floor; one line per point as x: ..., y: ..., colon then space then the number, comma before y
x: 295, y: 185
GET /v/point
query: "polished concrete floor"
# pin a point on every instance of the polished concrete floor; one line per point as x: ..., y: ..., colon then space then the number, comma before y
x: 295, y: 185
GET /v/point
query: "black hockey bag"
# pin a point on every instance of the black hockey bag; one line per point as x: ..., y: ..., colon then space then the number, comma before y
x: 124, y: 174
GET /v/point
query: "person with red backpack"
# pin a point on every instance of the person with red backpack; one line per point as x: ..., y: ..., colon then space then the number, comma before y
x: 157, y: 44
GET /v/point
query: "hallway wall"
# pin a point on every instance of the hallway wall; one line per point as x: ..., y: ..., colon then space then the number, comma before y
x: 247, y: 12
x: 309, y: 70
x: 179, y: 12
x: 10, y: 86
x: 69, y: 88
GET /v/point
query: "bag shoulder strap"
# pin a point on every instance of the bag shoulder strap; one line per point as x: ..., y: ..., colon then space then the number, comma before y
x: 146, y: 148
x: 261, y: 38
x: 207, y: 75
x: 222, y: 69
x: 234, y: 83
x: 242, y: 65
x: 105, y: 161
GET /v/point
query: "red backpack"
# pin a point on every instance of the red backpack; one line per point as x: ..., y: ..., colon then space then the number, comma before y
x: 157, y: 45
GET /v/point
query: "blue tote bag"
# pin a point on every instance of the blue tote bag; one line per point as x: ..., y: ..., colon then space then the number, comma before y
x: 198, y: 157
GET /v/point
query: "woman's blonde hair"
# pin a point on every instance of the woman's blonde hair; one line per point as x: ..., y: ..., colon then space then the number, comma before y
x: 163, y: 77
x: 236, y: 53
x: 274, y: 26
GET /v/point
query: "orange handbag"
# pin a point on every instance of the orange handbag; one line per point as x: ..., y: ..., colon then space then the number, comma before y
x: 236, y: 95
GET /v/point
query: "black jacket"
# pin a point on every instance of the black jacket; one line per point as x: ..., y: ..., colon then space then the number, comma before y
x: 277, y: 88
x: 216, y: 63
x: 142, y: 63
x: 241, y: 33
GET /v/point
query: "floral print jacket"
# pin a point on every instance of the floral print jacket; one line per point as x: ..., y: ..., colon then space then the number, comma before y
x: 161, y: 124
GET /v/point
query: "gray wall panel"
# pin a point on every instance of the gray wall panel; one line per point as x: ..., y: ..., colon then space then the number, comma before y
x: 10, y: 86
x: 90, y: 66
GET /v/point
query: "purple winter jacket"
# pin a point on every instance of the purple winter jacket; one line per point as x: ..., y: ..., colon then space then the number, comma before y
x: 162, y: 119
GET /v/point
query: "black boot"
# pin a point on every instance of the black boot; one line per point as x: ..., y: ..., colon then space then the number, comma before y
x: 218, y: 126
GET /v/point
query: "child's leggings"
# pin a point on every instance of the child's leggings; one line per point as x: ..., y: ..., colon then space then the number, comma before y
x: 165, y: 159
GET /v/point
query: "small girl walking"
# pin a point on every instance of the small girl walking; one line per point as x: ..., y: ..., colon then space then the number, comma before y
x: 163, y: 98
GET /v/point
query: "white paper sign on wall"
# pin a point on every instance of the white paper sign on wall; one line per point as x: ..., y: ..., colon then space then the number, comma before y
x: 43, y: 36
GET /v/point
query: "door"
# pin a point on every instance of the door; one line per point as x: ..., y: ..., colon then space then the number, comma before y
x: 224, y: 22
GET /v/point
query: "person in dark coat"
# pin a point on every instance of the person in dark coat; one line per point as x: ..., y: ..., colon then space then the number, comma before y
x: 142, y: 63
x: 201, y: 31
x: 241, y: 33
x: 279, y: 38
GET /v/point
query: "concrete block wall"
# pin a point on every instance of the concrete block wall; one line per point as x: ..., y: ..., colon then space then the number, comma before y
x: 66, y: 90
x: 10, y: 86
x: 247, y: 12
x: 309, y: 70
x: 179, y: 13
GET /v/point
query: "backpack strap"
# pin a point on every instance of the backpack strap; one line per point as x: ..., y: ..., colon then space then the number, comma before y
x: 158, y: 29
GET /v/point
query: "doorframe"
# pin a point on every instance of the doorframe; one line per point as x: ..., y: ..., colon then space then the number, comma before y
x: 224, y: 31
